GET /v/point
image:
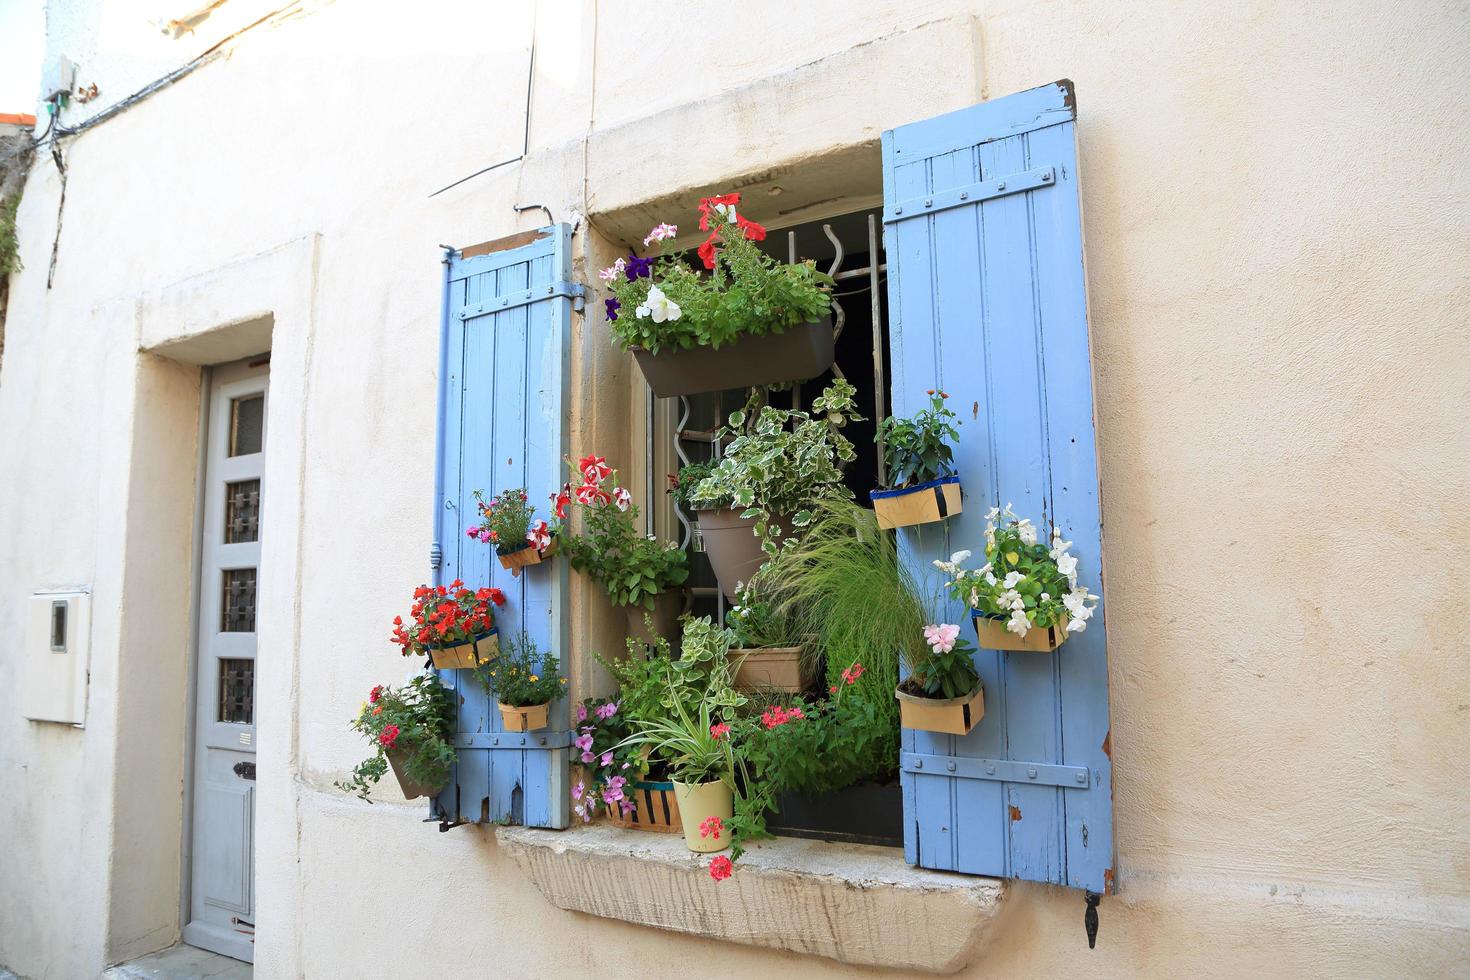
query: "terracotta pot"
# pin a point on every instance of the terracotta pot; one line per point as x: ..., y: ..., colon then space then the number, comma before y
x: 665, y: 616
x: 797, y: 354
x: 770, y: 669
x: 526, y: 718
x: 994, y: 636
x: 482, y: 649
x: 923, y: 504
x: 953, y: 716
x: 398, y: 760
x: 697, y: 803
x: 733, y: 549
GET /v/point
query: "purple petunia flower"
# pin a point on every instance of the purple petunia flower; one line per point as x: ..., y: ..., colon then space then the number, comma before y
x: 612, y: 308
x: 638, y: 268
x: 606, y: 711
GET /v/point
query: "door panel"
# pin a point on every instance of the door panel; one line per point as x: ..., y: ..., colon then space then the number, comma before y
x: 222, y: 875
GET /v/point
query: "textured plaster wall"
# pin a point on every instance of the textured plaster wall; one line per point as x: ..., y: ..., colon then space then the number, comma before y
x: 1275, y: 200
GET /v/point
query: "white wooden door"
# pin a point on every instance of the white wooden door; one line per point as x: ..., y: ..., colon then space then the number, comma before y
x: 222, y: 876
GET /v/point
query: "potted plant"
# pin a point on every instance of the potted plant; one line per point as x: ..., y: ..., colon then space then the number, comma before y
x: 746, y: 320
x: 942, y: 692
x: 524, y: 683
x: 921, y: 486
x: 768, y: 481
x: 639, y: 573
x: 411, y: 730
x: 454, y: 625
x: 1025, y: 596
x: 765, y: 656
x: 506, y: 522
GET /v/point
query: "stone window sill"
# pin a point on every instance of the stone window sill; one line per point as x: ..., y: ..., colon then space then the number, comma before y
x: 852, y: 903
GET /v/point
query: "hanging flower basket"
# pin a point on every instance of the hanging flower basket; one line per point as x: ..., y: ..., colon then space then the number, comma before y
x: 412, y: 790
x: 527, y: 554
x: 705, y: 809
x: 922, y: 504
x: 469, y: 654
x: 1038, y: 639
x: 524, y: 718
x: 952, y: 716
x: 777, y: 669
x: 800, y: 353
x: 732, y: 546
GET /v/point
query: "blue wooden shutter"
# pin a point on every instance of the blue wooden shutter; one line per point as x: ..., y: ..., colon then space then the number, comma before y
x: 502, y: 424
x: 987, y: 300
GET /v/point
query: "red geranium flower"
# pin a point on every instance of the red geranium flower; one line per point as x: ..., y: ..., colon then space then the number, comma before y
x: 852, y: 673
x: 389, y: 736
x: 711, y: 827
x: 377, y: 692
x: 719, y: 868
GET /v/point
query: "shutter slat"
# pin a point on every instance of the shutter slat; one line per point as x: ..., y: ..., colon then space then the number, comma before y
x: 987, y: 301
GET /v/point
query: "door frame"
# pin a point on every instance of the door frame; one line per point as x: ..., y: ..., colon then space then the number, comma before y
x: 191, y: 666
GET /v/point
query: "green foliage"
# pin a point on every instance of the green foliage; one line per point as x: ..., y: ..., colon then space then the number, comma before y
x: 520, y: 676
x: 652, y: 688
x: 848, y: 738
x: 682, y: 486
x: 756, y: 622
x: 9, y: 245
x: 417, y: 719
x: 843, y: 583
x: 632, y: 568
x: 507, y: 517
x: 946, y: 671
x: 919, y: 449
x: 1023, y: 581
x: 745, y: 293
x: 684, y: 738
x: 775, y: 472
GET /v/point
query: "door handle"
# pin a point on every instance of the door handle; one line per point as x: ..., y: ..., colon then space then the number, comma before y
x: 245, y: 770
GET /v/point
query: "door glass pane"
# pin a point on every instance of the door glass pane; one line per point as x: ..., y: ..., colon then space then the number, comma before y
x: 247, y: 423
x: 242, y: 511
x: 237, y: 691
x: 238, y: 601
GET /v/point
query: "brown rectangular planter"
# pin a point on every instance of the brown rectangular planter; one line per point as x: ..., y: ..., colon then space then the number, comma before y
x: 528, y: 718
x: 923, y: 504
x: 770, y: 669
x: 797, y: 354
x: 467, y: 655
x: 952, y: 716
x: 655, y: 808
x: 398, y: 760
x: 994, y: 636
x: 525, y: 556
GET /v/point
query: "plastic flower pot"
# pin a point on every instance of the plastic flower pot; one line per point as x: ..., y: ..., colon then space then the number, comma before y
x: 952, y: 716
x: 732, y: 547
x: 697, y: 803
x: 1038, y: 639
x: 524, y: 556
x: 412, y: 790
x: 796, y: 354
x: 770, y: 669
x: 665, y: 616
x: 524, y: 718
x: 922, y: 504
x: 468, y: 654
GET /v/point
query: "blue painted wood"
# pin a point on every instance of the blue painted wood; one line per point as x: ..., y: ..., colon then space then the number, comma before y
x: 503, y: 420
x: 987, y: 300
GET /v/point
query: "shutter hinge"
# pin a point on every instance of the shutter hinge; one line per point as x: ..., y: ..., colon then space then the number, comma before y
x: 1000, y: 770
x: 985, y: 190
x: 510, y: 301
x: 512, y: 740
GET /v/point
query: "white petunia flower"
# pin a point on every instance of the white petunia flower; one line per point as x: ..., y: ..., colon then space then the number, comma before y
x: 1009, y: 598
x: 1027, y: 531
x: 959, y: 556
x: 1076, y: 603
x: 1067, y: 565
x: 992, y: 514
x: 1058, y: 547
x: 1012, y: 578
x: 1076, y: 626
x: 990, y: 578
x: 658, y: 306
x: 1018, y: 623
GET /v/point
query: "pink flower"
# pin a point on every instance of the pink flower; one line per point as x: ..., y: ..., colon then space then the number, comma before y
x: 578, y: 790
x: 581, y: 712
x: 719, y: 730
x: 941, y: 636
x: 587, y: 756
x: 486, y: 535
x: 614, y: 790
x: 719, y: 868
x: 612, y: 272
x: 583, y: 742
x: 606, y: 711
x: 606, y: 758
x: 852, y: 673
x: 539, y: 535
x: 660, y: 232
x: 626, y: 806
x: 711, y: 827
x: 472, y: 531
x: 622, y: 497
x: 776, y: 716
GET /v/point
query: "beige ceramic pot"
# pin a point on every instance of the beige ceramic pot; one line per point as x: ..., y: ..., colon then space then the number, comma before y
x: 698, y: 804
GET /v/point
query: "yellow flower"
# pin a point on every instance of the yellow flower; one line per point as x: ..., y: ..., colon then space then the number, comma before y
x: 563, y: 680
x: 1012, y: 557
x: 534, y: 678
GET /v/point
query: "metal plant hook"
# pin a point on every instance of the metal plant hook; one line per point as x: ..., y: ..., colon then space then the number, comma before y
x: 1089, y: 919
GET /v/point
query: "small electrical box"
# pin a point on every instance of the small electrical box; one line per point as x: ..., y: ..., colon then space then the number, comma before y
x: 58, y: 654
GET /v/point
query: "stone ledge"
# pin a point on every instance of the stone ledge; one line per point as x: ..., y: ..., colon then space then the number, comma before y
x: 850, y: 902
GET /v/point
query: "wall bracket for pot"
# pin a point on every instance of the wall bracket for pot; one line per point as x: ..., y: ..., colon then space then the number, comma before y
x: 518, y: 741
x: 1000, y: 770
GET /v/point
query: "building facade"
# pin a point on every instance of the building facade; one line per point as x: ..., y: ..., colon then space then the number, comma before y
x: 242, y: 250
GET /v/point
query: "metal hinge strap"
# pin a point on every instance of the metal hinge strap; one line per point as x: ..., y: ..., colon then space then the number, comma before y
x: 985, y: 190
x: 499, y: 304
x: 512, y: 740
x: 1000, y: 770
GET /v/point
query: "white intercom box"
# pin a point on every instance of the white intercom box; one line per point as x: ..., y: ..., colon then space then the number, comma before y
x: 58, y: 654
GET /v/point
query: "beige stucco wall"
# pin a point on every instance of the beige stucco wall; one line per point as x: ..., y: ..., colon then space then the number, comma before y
x: 1279, y: 267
